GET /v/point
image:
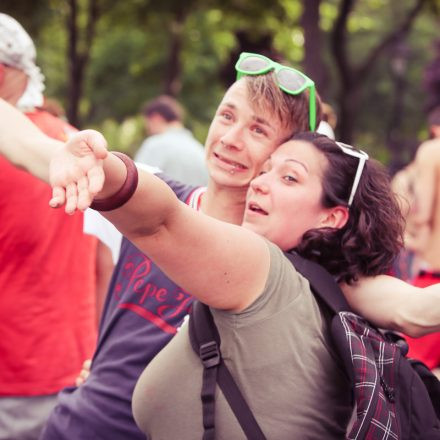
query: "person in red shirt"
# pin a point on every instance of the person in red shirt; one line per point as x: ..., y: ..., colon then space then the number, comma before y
x: 47, y: 301
x: 424, y: 237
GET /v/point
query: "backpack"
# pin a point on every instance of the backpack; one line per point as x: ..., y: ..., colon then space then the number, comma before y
x: 395, y: 397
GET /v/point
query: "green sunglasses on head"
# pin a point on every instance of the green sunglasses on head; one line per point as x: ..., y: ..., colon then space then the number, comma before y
x: 290, y: 80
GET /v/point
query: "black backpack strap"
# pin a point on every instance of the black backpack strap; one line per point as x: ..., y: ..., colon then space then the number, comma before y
x: 205, y: 341
x: 322, y: 283
x: 431, y: 383
x: 206, y: 345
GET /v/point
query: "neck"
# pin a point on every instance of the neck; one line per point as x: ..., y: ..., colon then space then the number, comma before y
x: 171, y: 125
x: 225, y: 203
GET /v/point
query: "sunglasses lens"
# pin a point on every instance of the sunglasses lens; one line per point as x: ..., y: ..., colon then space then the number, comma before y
x: 253, y: 64
x: 290, y: 80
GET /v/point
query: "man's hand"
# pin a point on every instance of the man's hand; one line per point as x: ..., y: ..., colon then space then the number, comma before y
x: 76, y: 171
x: 85, y: 373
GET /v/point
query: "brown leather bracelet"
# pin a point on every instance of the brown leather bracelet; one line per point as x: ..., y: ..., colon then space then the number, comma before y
x: 126, y: 191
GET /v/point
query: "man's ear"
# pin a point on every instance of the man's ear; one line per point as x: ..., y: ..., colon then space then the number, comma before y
x: 335, y: 217
x: 2, y: 72
x: 435, y: 131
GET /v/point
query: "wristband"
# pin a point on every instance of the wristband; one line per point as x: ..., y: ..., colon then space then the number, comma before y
x: 126, y: 191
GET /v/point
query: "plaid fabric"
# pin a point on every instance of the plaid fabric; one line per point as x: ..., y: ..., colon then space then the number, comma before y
x: 373, y: 363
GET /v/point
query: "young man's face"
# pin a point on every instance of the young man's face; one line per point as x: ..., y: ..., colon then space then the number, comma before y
x: 240, y: 139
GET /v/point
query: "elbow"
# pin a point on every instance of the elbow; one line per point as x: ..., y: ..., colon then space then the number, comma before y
x: 406, y: 322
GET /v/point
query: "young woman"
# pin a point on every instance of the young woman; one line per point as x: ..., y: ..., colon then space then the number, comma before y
x: 321, y: 198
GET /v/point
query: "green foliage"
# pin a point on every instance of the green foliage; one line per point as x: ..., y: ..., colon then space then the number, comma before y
x: 123, y: 136
x: 378, y: 92
x: 130, y: 57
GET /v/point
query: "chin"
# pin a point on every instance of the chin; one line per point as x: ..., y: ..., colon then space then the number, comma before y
x: 230, y: 180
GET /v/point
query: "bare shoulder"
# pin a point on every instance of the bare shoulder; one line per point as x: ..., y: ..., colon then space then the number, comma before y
x: 429, y: 149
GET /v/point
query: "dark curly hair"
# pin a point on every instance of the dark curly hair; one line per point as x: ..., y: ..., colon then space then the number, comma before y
x: 373, y: 235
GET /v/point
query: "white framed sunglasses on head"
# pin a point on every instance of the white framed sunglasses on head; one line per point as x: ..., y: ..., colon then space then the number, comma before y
x: 363, y: 157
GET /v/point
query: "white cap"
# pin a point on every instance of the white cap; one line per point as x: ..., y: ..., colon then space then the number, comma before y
x: 17, y: 50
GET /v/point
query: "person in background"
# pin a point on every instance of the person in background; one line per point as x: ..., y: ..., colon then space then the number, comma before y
x: 47, y: 265
x: 170, y: 146
x: 423, y: 238
x: 405, y: 266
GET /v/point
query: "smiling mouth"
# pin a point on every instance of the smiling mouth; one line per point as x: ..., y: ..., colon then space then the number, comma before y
x: 235, y: 165
x: 256, y: 208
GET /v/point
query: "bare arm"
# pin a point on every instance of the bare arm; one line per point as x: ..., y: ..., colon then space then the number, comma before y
x: 223, y: 265
x: 104, y: 269
x: 26, y: 146
x: 394, y: 304
x: 425, y: 181
x: 23, y: 144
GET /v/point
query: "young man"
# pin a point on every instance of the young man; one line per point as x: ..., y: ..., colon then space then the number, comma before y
x: 144, y: 308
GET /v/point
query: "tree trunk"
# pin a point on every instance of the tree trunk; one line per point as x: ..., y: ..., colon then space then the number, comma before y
x: 173, y: 82
x: 352, y: 77
x: 77, y: 58
x: 73, y: 65
x: 314, y: 65
x: 344, y: 130
x: 395, y: 140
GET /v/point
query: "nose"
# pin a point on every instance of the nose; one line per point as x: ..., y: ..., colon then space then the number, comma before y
x: 234, y: 137
x: 259, y: 184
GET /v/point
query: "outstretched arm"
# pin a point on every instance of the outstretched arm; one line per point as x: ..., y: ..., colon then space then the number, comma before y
x: 26, y: 146
x: 23, y: 144
x: 391, y: 303
x: 225, y: 266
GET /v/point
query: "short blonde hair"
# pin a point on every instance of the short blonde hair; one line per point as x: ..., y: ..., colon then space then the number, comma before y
x: 291, y: 110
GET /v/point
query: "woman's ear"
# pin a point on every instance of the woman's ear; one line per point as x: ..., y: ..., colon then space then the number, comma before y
x: 336, y: 217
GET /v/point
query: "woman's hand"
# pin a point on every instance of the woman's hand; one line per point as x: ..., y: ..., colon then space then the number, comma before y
x: 84, y: 373
x: 76, y: 171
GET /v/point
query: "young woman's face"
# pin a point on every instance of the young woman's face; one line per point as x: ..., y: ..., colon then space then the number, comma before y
x: 284, y: 201
x: 240, y: 139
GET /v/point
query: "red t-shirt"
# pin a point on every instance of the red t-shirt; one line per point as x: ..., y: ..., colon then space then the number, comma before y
x: 426, y: 348
x: 47, y: 283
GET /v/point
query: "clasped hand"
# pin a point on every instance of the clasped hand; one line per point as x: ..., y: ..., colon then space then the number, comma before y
x: 76, y: 171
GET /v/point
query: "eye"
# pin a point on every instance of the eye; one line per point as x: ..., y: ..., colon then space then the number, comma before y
x: 262, y: 172
x: 289, y: 178
x: 258, y: 130
x: 226, y: 115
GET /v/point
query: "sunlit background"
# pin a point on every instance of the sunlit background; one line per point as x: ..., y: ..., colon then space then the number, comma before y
x: 376, y: 62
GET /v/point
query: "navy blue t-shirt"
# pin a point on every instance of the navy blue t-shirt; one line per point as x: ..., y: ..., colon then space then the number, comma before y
x: 142, y: 312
